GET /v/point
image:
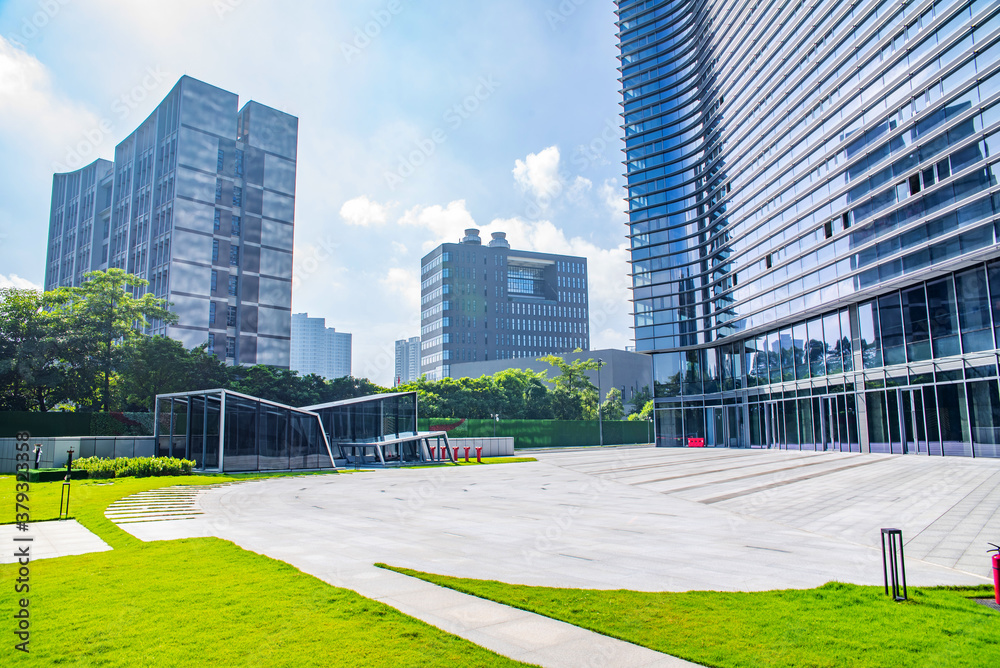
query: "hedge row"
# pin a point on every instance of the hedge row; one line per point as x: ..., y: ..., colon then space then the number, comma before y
x: 137, y: 467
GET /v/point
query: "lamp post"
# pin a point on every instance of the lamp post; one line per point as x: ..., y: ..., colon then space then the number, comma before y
x: 600, y: 421
x: 496, y: 418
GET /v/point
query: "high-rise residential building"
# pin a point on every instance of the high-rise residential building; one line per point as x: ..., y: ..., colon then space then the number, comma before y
x: 319, y: 349
x: 491, y: 302
x: 199, y: 201
x: 407, y: 360
x: 814, y: 210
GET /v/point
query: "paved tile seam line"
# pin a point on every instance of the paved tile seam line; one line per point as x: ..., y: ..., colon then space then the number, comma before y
x: 781, y: 483
x: 728, y: 468
x: 748, y: 476
x: 950, y: 509
x: 659, y: 464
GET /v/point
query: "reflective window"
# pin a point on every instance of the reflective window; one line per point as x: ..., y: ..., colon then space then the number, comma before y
x: 693, y: 372
x: 878, y: 430
x: 914, y: 303
x: 667, y: 374
x: 994, y: 278
x: 952, y: 420
x: 711, y: 373
x: 846, y: 344
x: 773, y: 354
x: 891, y: 328
x: 787, y: 354
x: 973, y: 310
x: 816, y: 348
x: 833, y: 344
x: 984, y: 417
x: 800, y: 343
x: 943, y: 317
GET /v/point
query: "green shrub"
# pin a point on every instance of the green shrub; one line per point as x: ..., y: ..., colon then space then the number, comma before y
x: 135, y: 467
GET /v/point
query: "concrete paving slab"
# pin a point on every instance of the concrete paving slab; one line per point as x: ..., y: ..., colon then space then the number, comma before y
x: 58, y: 538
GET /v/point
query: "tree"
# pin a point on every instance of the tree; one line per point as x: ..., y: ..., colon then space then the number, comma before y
x: 517, y: 394
x: 32, y: 372
x: 645, y: 414
x: 575, y: 382
x: 154, y: 365
x: 347, y: 387
x: 103, y: 315
x: 280, y: 385
x: 612, y: 408
x: 640, y: 398
x: 566, y: 406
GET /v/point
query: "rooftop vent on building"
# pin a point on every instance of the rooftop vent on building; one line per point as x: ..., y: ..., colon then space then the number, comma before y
x: 499, y: 240
x: 472, y: 237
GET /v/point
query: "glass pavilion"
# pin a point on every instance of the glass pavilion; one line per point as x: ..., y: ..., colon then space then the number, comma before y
x: 227, y: 431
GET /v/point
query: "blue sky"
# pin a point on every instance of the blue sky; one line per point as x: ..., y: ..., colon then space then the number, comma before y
x: 416, y: 120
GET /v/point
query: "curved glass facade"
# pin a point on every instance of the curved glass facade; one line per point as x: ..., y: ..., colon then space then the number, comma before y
x: 813, y: 208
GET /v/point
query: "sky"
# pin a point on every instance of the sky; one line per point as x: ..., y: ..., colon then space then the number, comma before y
x: 416, y: 121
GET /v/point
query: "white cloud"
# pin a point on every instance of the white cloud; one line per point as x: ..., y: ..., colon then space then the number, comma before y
x: 445, y: 223
x: 15, y: 281
x: 614, y: 197
x: 35, y: 116
x: 404, y: 285
x: 538, y: 173
x: 363, y: 212
x: 581, y: 186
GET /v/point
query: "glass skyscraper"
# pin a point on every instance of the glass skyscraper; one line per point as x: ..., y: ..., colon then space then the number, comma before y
x: 813, y: 212
x: 200, y: 202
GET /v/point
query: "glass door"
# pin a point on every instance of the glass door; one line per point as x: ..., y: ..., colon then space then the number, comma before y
x: 912, y: 429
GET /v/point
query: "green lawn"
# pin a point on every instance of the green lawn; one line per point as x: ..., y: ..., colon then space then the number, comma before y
x: 833, y: 625
x: 204, y: 602
x: 200, y: 601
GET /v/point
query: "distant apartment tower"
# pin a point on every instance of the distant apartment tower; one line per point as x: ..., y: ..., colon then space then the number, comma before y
x: 319, y: 349
x: 199, y: 201
x: 407, y: 360
x: 491, y: 302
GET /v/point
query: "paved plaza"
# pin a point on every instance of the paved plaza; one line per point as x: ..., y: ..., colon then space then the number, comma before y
x: 629, y: 517
x: 632, y: 517
x: 635, y: 518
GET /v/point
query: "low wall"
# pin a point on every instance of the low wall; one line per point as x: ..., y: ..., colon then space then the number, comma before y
x: 54, y: 423
x: 544, y: 433
x: 55, y: 449
x: 492, y: 447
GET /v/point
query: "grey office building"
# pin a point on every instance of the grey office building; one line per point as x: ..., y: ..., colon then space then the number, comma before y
x: 407, y: 360
x: 813, y: 205
x: 199, y: 201
x: 491, y: 302
x: 319, y: 349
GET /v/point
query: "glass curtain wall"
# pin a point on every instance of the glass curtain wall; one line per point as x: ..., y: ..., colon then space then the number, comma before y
x: 813, y: 191
x: 920, y: 361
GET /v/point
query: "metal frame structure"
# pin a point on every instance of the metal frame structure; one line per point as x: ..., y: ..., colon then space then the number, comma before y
x: 347, y: 428
x: 223, y: 435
